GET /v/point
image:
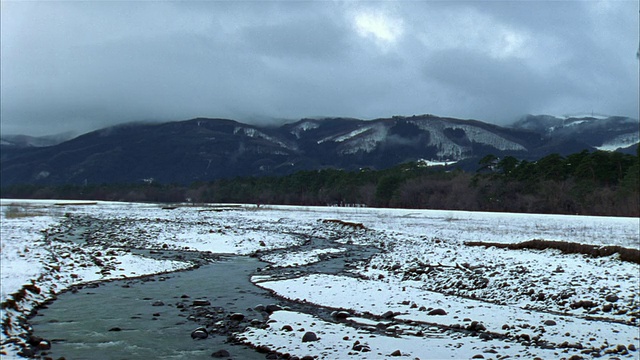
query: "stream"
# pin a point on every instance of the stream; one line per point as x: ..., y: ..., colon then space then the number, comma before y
x: 155, y: 316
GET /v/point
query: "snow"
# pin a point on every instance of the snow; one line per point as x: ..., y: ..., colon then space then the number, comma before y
x: 351, y: 135
x: 448, y: 148
x: 336, y: 341
x: 304, y: 126
x: 427, y: 163
x: 620, y: 141
x: 424, y: 264
x: 254, y: 133
x: 23, y: 254
x: 479, y: 135
x: 298, y: 258
x: 582, y: 116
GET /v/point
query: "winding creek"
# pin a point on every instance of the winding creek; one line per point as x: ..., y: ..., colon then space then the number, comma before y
x: 155, y: 316
x: 78, y: 324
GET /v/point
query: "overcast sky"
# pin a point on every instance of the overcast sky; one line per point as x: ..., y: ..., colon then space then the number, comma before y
x: 78, y: 66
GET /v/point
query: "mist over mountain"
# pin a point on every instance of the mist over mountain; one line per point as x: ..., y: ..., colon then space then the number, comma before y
x: 205, y: 149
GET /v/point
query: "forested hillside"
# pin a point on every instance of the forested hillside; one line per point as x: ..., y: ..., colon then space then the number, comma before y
x: 588, y: 183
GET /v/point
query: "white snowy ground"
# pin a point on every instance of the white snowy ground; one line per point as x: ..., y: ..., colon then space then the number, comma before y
x: 499, y: 288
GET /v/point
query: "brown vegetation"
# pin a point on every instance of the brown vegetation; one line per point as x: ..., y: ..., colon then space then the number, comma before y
x: 626, y: 254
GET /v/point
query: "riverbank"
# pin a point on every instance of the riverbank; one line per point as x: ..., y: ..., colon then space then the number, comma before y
x: 525, y: 299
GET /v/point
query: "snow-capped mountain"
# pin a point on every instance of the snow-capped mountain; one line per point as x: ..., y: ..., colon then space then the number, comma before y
x: 204, y: 149
x: 598, y: 131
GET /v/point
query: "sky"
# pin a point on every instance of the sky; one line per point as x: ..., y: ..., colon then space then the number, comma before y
x: 79, y: 66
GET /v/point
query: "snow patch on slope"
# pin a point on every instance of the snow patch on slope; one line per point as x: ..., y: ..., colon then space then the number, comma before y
x: 365, y: 140
x: 479, y: 135
x: 304, y: 126
x: 620, y: 141
x: 449, y: 148
x: 256, y: 134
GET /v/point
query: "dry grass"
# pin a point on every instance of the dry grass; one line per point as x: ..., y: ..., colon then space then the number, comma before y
x: 17, y: 212
x: 626, y: 254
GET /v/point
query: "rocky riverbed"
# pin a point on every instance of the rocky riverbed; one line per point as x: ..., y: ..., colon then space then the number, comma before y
x: 286, y: 282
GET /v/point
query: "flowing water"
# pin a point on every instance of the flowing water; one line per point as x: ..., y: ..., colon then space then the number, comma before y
x: 153, y: 317
x: 78, y: 323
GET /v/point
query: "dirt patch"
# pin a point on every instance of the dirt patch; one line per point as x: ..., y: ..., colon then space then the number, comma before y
x: 76, y: 203
x: 626, y: 254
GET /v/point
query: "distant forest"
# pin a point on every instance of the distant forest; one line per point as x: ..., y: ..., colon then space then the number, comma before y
x: 585, y: 183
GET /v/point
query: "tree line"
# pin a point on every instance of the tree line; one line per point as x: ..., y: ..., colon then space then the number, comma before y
x: 587, y: 183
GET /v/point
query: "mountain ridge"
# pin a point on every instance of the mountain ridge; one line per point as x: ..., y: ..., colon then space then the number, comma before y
x: 203, y: 149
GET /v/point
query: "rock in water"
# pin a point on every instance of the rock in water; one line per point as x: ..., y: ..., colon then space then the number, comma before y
x: 201, y: 302
x: 199, y: 333
x: 273, y: 307
x: 44, y: 345
x: 221, y: 354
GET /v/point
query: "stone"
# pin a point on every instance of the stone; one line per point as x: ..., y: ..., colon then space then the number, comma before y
x: 309, y: 336
x: 157, y: 303
x: 287, y: 328
x: 340, y: 314
x: 27, y: 352
x: 396, y: 353
x: 476, y: 326
x: 357, y: 346
x: 611, y: 298
x: 388, y: 315
x: 34, y: 340
x: 437, y: 312
x: 236, y: 317
x: 200, y: 333
x: 46, y: 345
x: 549, y: 323
x: 222, y: 353
x: 273, y: 307
x: 201, y: 302
x: 115, y: 328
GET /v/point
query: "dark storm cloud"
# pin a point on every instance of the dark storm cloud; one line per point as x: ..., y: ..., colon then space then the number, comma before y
x: 83, y: 65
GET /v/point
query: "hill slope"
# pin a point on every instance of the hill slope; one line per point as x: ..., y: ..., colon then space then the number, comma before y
x: 205, y: 149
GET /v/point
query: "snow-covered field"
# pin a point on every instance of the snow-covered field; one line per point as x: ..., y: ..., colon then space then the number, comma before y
x: 424, y: 294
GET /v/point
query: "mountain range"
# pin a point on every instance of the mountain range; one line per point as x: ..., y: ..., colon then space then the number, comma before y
x: 204, y: 149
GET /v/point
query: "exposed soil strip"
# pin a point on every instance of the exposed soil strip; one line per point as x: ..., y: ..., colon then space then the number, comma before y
x: 626, y: 254
x: 76, y: 203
